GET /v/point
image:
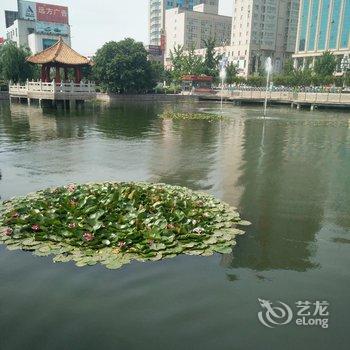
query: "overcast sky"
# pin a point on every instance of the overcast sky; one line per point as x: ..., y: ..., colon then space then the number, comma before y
x: 93, y: 22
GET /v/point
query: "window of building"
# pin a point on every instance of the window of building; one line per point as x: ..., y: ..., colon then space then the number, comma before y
x: 346, y: 26
x: 304, y: 20
x: 334, y: 26
x: 323, y: 24
x: 313, y: 25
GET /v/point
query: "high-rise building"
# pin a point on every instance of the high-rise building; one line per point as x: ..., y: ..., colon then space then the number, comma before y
x: 261, y: 29
x: 189, y: 29
x: 157, y: 10
x: 324, y: 25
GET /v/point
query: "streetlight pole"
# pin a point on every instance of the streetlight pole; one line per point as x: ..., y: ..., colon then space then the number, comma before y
x: 345, y: 66
x: 223, y: 77
x: 268, y: 69
x: 223, y: 63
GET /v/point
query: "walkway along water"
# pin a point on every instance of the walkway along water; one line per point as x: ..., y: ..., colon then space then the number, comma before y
x: 295, y: 99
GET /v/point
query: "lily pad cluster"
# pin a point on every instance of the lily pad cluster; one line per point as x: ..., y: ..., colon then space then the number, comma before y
x: 114, y: 223
x: 191, y: 116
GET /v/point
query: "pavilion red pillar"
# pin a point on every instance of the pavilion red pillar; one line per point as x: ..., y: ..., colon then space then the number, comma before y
x: 58, y: 75
x: 43, y: 73
x: 66, y: 74
x: 77, y: 74
x: 47, y: 75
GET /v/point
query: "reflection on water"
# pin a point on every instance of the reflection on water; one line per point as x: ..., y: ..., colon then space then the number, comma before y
x: 288, y: 175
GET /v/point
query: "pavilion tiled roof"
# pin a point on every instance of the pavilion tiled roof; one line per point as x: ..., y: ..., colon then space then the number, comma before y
x: 59, y: 53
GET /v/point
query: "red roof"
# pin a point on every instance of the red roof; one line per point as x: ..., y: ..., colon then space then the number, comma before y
x: 197, y: 78
x: 59, y: 53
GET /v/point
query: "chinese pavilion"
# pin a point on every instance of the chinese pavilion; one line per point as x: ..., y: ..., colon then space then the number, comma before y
x: 59, y: 57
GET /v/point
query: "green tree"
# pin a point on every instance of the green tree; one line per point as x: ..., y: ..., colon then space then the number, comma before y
x: 346, y: 78
x: 288, y: 67
x: 193, y: 64
x: 13, y: 64
x: 231, y: 73
x: 256, y: 80
x: 123, y: 67
x: 184, y: 63
x: 211, y: 59
x: 158, y: 71
x: 325, y: 65
x: 177, y: 58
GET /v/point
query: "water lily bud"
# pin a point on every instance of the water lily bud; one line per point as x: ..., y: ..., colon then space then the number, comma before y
x: 88, y: 236
x: 15, y: 215
x: 71, y: 188
x: 72, y: 225
x: 8, y: 231
x: 36, y: 228
x: 122, y: 245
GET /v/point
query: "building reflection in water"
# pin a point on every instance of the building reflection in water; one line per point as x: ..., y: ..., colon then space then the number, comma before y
x: 291, y: 176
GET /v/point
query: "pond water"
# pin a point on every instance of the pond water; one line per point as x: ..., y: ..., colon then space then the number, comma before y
x: 288, y: 175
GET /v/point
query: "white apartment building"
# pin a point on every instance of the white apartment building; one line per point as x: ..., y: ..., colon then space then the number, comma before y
x: 261, y: 29
x: 156, y: 16
x: 189, y: 29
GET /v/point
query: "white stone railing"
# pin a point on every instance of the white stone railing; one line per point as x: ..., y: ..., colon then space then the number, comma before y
x: 289, y: 96
x: 53, y: 87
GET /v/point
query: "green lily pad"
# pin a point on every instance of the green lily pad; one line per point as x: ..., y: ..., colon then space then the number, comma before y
x: 115, y: 223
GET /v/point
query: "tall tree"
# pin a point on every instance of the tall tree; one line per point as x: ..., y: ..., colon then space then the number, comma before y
x: 158, y: 71
x: 288, y: 67
x: 325, y: 65
x: 231, y: 73
x: 193, y: 64
x: 185, y: 63
x: 211, y: 60
x: 177, y: 58
x: 13, y: 64
x: 123, y: 67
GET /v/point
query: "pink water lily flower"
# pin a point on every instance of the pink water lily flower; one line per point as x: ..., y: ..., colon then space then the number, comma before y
x: 36, y: 228
x: 88, y: 236
x: 71, y: 188
x: 15, y: 215
x: 122, y: 245
x: 8, y: 231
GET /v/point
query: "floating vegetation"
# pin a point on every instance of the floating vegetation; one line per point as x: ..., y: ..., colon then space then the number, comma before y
x: 191, y: 116
x: 114, y: 223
